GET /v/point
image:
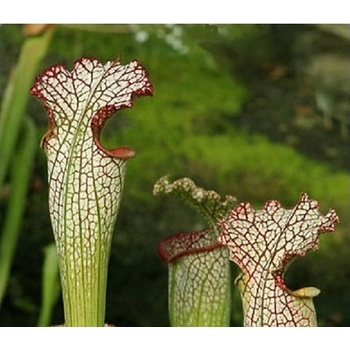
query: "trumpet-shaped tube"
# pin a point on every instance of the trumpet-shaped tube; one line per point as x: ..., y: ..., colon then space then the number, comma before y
x: 85, y: 179
x: 261, y: 243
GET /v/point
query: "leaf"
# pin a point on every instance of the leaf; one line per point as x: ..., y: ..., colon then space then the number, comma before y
x: 85, y: 179
x: 50, y: 286
x: 261, y: 243
x: 13, y: 107
x: 20, y: 178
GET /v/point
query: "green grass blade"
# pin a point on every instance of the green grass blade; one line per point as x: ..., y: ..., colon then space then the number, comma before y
x: 17, y: 94
x: 50, y: 286
x: 20, y: 177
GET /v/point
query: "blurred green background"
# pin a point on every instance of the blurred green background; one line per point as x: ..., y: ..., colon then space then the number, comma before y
x: 256, y: 111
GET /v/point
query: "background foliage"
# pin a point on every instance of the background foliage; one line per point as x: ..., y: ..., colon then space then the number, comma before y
x: 236, y: 108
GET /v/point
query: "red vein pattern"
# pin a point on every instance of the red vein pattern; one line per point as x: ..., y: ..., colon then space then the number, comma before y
x: 261, y: 243
x: 85, y: 180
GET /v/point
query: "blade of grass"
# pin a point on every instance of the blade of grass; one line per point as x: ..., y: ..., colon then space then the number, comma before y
x: 20, y: 177
x: 16, y: 95
x: 50, y: 286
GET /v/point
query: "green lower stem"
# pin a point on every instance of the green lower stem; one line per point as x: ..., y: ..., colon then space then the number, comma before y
x: 84, y: 292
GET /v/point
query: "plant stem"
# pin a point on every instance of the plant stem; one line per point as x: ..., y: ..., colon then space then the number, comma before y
x: 84, y: 293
